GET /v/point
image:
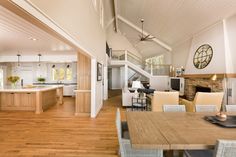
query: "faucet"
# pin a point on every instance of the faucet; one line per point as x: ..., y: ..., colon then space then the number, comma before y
x: 22, y: 82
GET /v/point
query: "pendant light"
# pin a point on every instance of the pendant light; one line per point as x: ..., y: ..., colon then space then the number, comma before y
x: 18, y: 59
x: 39, y: 55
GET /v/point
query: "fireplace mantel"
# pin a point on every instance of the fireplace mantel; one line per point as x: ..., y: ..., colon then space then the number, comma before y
x: 219, y: 75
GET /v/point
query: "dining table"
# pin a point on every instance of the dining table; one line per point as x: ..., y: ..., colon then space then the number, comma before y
x: 175, y: 131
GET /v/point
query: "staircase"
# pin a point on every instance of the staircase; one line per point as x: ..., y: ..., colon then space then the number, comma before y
x: 142, y: 72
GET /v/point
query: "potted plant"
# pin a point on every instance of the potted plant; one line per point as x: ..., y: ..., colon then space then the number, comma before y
x: 13, y: 80
x: 41, y: 80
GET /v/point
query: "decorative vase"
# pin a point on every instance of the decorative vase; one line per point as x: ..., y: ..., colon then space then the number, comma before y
x: 13, y: 85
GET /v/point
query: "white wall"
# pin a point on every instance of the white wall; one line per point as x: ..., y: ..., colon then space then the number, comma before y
x: 180, y: 54
x: 82, y: 22
x: 230, y: 34
x: 213, y: 36
x: 117, y: 41
x: 159, y: 83
x: 116, y: 75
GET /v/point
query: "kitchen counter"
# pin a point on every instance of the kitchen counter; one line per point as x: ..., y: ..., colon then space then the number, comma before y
x: 35, y: 98
x: 29, y: 89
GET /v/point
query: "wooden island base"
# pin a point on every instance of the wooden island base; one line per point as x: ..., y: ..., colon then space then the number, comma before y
x: 35, y: 99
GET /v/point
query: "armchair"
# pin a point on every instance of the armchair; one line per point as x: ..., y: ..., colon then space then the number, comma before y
x: 203, y: 98
x: 164, y: 98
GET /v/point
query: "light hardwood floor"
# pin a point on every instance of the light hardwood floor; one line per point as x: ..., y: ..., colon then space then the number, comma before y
x: 57, y: 132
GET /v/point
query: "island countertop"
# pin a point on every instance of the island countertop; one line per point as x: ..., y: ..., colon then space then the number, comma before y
x: 29, y: 89
x: 30, y: 98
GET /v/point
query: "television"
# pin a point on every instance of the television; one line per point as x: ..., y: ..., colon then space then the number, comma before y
x: 177, y: 84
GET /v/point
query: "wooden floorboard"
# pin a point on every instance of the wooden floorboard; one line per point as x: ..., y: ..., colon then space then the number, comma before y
x: 58, y: 133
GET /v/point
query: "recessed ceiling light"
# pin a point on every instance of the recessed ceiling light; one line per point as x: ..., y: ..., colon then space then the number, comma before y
x: 33, y: 39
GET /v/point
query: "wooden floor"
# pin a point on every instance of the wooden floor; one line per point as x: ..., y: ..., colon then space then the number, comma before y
x: 57, y: 132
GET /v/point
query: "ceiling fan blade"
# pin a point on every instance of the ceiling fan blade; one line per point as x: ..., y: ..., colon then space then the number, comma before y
x: 147, y: 36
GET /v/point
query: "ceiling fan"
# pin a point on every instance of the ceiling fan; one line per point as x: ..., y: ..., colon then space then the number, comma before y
x: 145, y: 37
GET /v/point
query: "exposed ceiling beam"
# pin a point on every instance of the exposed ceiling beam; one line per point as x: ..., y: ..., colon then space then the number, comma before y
x: 116, y: 15
x: 158, y: 41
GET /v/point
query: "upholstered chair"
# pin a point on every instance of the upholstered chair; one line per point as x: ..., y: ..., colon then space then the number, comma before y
x: 164, y: 98
x: 204, y: 98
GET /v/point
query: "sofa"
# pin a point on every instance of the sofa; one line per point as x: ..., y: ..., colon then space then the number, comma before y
x: 127, y: 97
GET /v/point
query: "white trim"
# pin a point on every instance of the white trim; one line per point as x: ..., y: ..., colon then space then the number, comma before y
x: 116, y: 15
x: 41, y: 16
x: 93, y: 87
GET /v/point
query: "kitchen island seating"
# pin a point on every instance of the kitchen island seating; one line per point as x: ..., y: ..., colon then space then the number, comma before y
x: 125, y: 146
x: 163, y: 98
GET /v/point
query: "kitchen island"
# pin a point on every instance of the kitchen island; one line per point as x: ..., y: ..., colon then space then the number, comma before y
x: 34, y: 98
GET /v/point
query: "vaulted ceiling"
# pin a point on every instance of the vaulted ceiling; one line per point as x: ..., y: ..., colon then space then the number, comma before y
x: 171, y: 21
x: 17, y: 36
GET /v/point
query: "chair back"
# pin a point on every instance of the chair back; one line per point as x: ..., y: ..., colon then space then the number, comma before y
x: 230, y: 108
x: 161, y: 98
x: 119, y: 131
x: 174, y: 108
x: 225, y: 148
x: 206, y: 108
x: 205, y: 98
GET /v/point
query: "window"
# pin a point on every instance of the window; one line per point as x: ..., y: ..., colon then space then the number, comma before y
x: 68, y: 74
x: 156, y: 60
x: 1, y: 78
x: 61, y: 73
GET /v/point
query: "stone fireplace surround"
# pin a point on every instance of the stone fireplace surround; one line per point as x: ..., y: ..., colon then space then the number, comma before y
x: 192, y: 82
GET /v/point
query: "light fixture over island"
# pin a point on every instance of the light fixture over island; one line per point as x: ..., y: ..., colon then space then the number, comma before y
x: 35, y: 98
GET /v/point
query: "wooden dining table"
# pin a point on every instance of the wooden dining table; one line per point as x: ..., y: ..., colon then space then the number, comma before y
x: 174, y: 131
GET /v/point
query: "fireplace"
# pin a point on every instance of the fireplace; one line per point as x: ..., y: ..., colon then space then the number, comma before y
x: 202, y: 89
x: 193, y: 85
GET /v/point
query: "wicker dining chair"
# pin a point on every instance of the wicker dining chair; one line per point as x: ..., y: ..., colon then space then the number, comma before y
x: 174, y: 108
x: 230, y: 108
x: 223, y: 148
x: 206, y: 108
x: 125, y: 146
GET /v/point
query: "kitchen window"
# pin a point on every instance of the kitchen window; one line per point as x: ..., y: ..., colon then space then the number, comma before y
x: 62, y: 73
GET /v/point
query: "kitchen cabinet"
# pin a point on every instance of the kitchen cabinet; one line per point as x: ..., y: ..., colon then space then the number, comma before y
x: 18, y: 101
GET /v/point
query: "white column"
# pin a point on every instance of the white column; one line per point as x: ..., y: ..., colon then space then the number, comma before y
x: 126, y: 75
x: 93, y: 87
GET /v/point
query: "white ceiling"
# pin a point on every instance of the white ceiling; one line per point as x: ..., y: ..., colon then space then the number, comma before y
x: 171, y: 21
x: 15, y: 33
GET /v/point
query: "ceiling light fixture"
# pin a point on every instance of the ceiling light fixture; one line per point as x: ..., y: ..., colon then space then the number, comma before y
x: 33, y: 39
x: 39, y: 55
x: 18, y: 59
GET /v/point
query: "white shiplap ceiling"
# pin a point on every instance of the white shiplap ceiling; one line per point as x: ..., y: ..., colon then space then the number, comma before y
x: 15, y: 34
x: 171, y: 21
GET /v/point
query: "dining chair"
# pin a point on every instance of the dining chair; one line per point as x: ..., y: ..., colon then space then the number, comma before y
x: 161, y: 98
x: 230, y: 108
x: 206, y: 108
x: 223, y: 148
x: 174, y: 108
x: 125, y: 146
